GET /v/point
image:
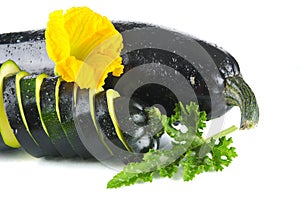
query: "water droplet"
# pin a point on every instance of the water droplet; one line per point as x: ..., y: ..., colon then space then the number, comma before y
x: 192, y: 80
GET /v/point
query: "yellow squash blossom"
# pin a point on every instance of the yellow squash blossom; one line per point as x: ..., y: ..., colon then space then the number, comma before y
x: 84, y: 46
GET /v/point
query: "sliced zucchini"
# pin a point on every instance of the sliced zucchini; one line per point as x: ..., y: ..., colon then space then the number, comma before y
x: 105, y: 122
x: 8, y: 68
x: 46, y: 100
x: 11, y: 92
x: 3, y: 146
x: 111, y: 95
x: 84, y: 118
x: 30, y: 114
x: 65, y: 115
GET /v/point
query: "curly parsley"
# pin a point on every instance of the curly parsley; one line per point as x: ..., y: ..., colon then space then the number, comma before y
x: 190, y: 150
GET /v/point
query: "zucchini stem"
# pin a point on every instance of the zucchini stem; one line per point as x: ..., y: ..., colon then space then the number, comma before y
x: 238, y: 93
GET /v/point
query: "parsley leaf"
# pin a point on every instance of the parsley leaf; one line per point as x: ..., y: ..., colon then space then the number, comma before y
x: 190, y: 151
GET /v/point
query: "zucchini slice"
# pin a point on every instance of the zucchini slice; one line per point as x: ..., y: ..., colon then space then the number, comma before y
x: 104, y: 121
x: 11, y: 92
x: 46, y: 100
x: 106, y: 118
x: 65, y: 115
x: 3, y: 146
x: 30, y: 113
x: 84, y: 118
x: 8, y: 68
x: 111, y: 95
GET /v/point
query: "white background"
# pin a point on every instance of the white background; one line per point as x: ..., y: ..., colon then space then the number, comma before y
x: 264, y: 36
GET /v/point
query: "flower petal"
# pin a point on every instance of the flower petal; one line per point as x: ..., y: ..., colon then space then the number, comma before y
x: 106, y: 33
x: 93, y: 76
x: 57, y: 39
x: 85, y: 47
x: 69, y: 68
x: 80, y: 24
x: 103, y: 59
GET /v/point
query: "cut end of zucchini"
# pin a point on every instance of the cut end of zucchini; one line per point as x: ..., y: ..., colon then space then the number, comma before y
x: 111, y: 95
x: 57, y: 97
x: 92, y: 94
x: 38, y: 84
x: 19, y: 76
x: 8, y: 68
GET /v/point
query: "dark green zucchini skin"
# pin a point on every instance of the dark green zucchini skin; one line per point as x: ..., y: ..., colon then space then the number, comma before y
x: 226, y: 64
x: 67, y: 121
x: 51, y: 120
x: 212, y: 73
x: 158, y: 94
x: 15, y: 120
x: 32, y: 43
x: 63, y: 136
x: 105, y: 121
x: 132, y: 134
x: 28, y: 99
x: 227, y: 87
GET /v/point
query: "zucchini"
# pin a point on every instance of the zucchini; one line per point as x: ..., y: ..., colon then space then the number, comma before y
x: 11, y: 92
x: 3, y: 146
x: 31, y: 114
x: 109, y: 131
x: 8, y: 68
x: 65, y: 114
x: 89, y: 132
x: 108, y: 119
x: 49, y: 116
x: 213, y: 74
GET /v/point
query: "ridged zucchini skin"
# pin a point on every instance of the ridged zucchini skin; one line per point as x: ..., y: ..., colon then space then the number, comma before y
x: 216, y: 99
x: 28, y: 99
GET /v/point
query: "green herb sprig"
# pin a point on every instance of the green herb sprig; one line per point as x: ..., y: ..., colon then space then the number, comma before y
x: 190, y: 150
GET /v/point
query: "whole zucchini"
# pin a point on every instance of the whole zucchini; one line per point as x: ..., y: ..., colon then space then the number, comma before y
x: 212, y: 73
